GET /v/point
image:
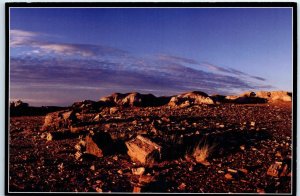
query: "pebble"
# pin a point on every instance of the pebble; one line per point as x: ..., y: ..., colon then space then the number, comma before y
x: 182, y: 186
x: 228, y: 176
x: 138, y: 171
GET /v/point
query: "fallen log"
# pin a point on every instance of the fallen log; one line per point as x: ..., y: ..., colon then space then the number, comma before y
x: 143, y: 150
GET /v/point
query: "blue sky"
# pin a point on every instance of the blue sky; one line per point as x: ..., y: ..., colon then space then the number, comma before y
x: 59, y: 56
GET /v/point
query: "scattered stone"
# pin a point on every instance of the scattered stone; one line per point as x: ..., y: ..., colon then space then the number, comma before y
x: 136, y: 189
x: 98, y: 143
x: 232, y: 170
x: 138, y: 171
x: 182, y: 187
x: 284, y: 171
x: 228, y: 176
x: 244, y: 171
x: 92, y: 168
x: 120, y: 171
x: 113, y: 110
x: 274, y: 169
x: 99, y: 190
x: 78, y: 155
x: 261, y: 191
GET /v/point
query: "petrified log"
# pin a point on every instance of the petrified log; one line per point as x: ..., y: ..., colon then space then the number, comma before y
x: 143, y: 150
x: 60, y: 119
x: 63, y: 134
x: 99, y: 144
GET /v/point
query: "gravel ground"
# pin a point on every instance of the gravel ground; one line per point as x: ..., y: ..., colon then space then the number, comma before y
x: 245, y: 141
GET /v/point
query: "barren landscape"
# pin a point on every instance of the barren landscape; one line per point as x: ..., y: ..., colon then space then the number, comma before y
x: 132, y: 142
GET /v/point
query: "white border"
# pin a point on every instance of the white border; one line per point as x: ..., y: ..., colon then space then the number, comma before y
x: 292, y: 167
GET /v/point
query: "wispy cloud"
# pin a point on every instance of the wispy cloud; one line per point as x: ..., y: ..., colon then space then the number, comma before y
x: 20, y: 38
x: 207, y: 65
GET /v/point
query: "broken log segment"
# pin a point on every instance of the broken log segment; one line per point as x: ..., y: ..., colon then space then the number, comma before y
x: 60, y: 119
x: 143, y: 150
x: 99, y: 144
x: 64, y: 134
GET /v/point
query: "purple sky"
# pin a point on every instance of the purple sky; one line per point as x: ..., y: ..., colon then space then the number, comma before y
x: 59, y: 56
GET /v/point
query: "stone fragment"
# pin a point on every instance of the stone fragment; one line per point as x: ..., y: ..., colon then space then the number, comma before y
x: 232, y: 170
x: 242, y: 147
x: 60, y: 119
x: 260, y: 190
x: 98, y: 144
x: 182, y: 186
x: 284, y: 171
x: 244, y: 171
x: 92, y: 168
x: 113, y: 110
x: 138, y: 171
x: 143, y: 150
x: 274, y: 169
x: 136, y: 189
x: 228, y: 176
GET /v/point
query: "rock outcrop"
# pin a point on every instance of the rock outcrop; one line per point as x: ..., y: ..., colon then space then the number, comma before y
x: 134, y: 99
x: 190, y: 98
x: 275, y: 95
x: 260, y: 97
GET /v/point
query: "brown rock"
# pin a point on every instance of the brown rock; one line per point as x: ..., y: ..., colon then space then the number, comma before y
x: 113, y: 110
x: 136, y: 189
x: 261, y: 191
x: 143, y: 150
x: 228, y: 176
x: 182, y: 186
x: 138, y: 171
x: 274, y: 169
x: 92, y: 147
x: 98, y: 144
x: 232, y: 170
x: 244, y: 171
x: 60, y: 119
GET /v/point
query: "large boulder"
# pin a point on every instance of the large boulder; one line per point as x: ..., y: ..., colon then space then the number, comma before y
x: 60, y: 119
x: 143, y: 150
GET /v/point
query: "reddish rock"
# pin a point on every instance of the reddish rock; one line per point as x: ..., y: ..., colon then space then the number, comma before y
x: 143, y: 150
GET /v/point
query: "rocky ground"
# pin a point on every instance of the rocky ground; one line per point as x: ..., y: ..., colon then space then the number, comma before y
x: 247, y: 149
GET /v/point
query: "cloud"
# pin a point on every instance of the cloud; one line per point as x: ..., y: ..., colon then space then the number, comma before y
x: 33, y: 40
x: 66, y: 72
x: 53, y: 74
x: 19, y: 37
x: 212, y: 67
x: 259, y: 78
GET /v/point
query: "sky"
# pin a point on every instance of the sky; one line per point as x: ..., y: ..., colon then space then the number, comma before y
x: 62, y: 55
